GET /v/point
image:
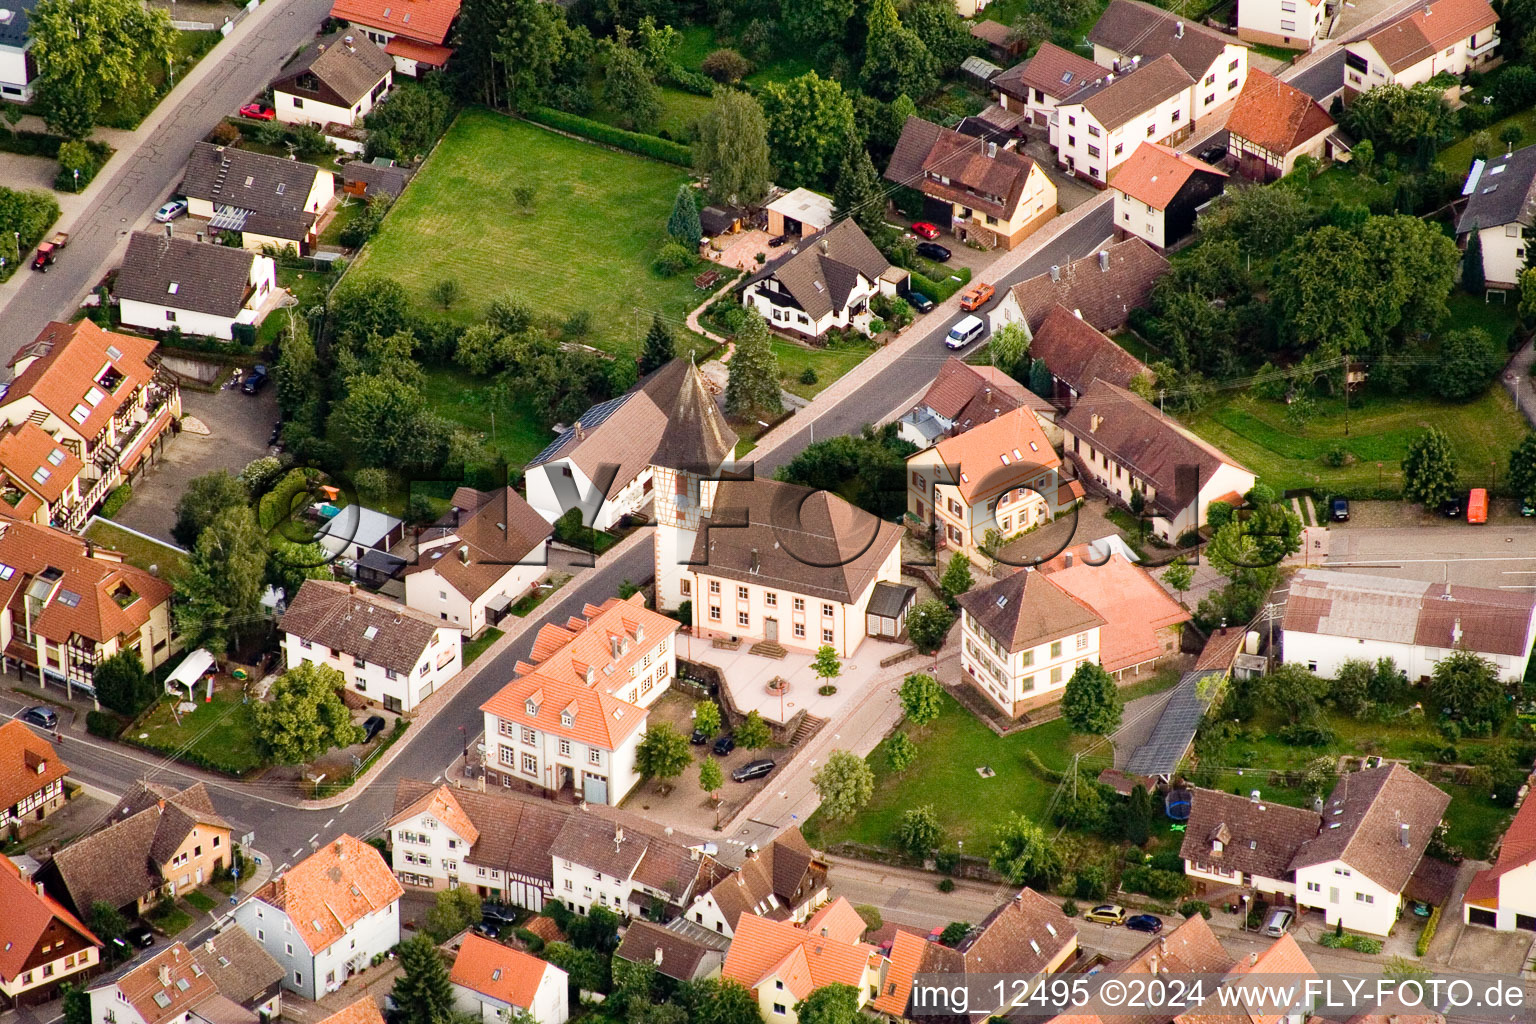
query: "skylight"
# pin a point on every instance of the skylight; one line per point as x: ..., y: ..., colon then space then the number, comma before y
x: 282, y: 187
x: 114, y: 352
x: 182, y: 984
x: 1017, y: 454
x: 41, y: 474
x: 370, y: 632
x: 1067, y: 76
x: 162, y: 1000
x: 69, y: 598
x: 496, y: 974
x: 56, y: 457
x: 94, y: 396
x: 1004, y: 458
x: 79, y: 414
x: 174, y: 287
x: 6, y: 571
x: 249, y: 180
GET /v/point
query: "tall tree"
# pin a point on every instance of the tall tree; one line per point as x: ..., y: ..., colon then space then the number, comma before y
x: 939, y: 25
x: 836, y: 1003
x: 732, y: 149
x: 205, y: 497
x: 683, y: 223
x: 826, y: 665
x: 718, y: 1001
x: 408, y: 122
x: 382, y: 419
x: 711, y: 776
x: 858, y: 193
x: 869, y: 470
x: 1024, y: 854
x: 90, y: 51
x: 76, y: 1007
x: 1522, y: 469
x: 528, y: 48
x: 752, y: 387
x: 1469, y: 361
x: 1179, y: 575
x: 423, y: 992
x: 303, y: 717
x: 928, y: 624
x: 816, y: 23
x: 1091, y: 703
x: 845, y: 783
x: 1429, y: 469
x: 1009, y: 349
x: 122, y: 684
x: 298, y: 373
x: 659, y: 348
x: 809, y: 120
x: 629, y: 91
x: 706, y: 717
x: 957, y: 578
x: 662, y: 753
x: 918, y: 830
x: 220, y: 591
x: 896, y: 61
x: 753, y: 733
x: 476, y: 68
x: 1466, y: 686
x: 922, y: 698
x: 452, y: 911
x: 1473, y: 280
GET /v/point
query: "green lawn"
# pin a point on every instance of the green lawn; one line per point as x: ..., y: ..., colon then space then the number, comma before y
x: 532, y: 600
x: 1473, y: 819
x: 949, y: 750
x: 598, y: 220
x: 310, y: 287
x: 201, y: 902
x: 460, y: 396
x: 219, y: 735
x: 137, y: 550
x: 829, y: 364
x: 476, y: 647
x: 1256, y: 433
x: 700, y: 40
x: 171, y: 921
x: 1279, y: 53
x: 347, y: 207
x: 1457, y: 158
x: 679, y: 111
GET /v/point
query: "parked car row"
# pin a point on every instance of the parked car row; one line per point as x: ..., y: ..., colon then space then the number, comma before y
x: 723, y: 745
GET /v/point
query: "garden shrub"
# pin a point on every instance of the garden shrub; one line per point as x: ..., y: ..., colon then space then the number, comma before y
x: 808, y: 375
x: 673, y: 259
x: 1425, y: 936
x: 1189, y: 908
x: 1154, y: 882
x: 1358, y: 943
x: 1306, y: 734
x: 645, y: 145
x: 1069, y: 907
x: 103, y: 724
x: 946, y: 885
x: 1091, y: 883
x: 116, y: 500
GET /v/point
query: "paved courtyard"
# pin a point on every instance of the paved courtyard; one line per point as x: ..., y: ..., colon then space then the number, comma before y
x: 748, y: 675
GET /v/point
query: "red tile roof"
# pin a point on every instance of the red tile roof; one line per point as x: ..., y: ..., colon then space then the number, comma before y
x: 1276, y: 116
x: 421, y: 53
x: 364, y: 1011
x: 1055, y: 71
x: 425, y: 20
x: 997, y: 455
x: 28, y: 763
x: 61, y: 383
x: 329, y: 891
x: 37, y: 462
x: 157, y: 1002
x: 906, y: 958
x: 838, y: 921
x: 596, y: 719
x: 1516, y: 849
x: 1154, y: 174
x: 1418, y: 34
x: 802, y: 960
x: 28, y: 914
x: 1132, y: 604
x: 498, y: 971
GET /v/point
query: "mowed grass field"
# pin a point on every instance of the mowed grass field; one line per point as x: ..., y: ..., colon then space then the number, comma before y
x: 597, y: 221
x: 1255, y: 433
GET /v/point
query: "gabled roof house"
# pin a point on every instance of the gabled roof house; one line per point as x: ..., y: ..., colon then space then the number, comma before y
x: 265, y: 199
x: 1077, y: 354
x: 1500, y: 205
x: 1273, y: 124
x: 823, y: 282
x: 1431, y: 38
x: 963, y: 396
x: 337, y: 78
x: 193, y: 287
x: 1158, y: 193
x: 1102, y: 288
x: 413, y: 32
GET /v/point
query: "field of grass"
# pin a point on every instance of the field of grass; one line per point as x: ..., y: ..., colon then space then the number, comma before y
x: 310, y: 287
x: 461, y: 397
x: 219, y: 735
x: 200, y: 901
x: 476, y: 647
x: 598, y: 219
x: 136, y: 550
x: 949, y: 750
x: 1457, y: 158
x: 1256, y: 433
x: 829, y: 364
x: 679, y: 110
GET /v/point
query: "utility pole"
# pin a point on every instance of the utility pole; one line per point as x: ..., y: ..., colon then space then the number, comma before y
x: 1346, y: 394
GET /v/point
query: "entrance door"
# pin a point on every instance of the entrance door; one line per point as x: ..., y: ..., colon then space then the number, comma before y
x: 771, y: 630
x: 199, y: 876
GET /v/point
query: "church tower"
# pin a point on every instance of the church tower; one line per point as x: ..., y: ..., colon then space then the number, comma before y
x: 695, y: 448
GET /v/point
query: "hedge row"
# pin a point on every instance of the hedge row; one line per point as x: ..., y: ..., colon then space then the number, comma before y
x: 645, y: 145
x: 116, y: 500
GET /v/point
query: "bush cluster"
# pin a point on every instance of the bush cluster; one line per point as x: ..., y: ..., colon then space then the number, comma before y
x: 634, y: 142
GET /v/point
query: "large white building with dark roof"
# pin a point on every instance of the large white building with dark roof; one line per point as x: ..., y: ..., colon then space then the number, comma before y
x: 177, y: 284
x: 825, y: 281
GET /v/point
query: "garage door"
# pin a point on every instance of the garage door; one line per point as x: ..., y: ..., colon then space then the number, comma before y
x: 1476, y: 915
x: 1525, y: 922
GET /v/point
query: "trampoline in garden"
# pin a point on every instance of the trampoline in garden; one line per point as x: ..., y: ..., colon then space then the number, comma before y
x: 1177, y: 804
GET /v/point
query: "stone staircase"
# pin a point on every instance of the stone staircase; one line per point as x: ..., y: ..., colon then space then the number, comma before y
x: 809, y: 726
x: 767, y: 649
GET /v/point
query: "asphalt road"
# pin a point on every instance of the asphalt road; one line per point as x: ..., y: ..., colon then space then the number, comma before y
x: 142, y: 181
x: 900, y: 384
x: 1322, y: 79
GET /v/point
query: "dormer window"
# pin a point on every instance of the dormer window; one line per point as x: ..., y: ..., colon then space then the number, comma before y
x: 533, y: 709
x: 567, y: 719
x: 1216, y: 845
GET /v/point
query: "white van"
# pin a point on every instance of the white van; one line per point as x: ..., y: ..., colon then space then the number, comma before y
x: 966, y: 330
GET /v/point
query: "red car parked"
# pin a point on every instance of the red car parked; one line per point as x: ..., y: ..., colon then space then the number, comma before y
x: 925, y: 229
x: 257, y: 112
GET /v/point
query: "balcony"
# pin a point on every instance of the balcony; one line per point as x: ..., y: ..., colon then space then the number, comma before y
x: 1479, y: 51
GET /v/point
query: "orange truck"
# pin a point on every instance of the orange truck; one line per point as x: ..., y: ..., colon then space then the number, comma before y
x: 976, y: 296
x: 1477, y: 506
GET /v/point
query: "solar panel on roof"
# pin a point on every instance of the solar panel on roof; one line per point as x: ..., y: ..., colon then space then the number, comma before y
x: 589, y: 420
x: 1175, y: 729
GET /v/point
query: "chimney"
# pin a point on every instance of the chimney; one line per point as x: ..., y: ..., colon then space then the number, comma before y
x: 39, y: 886
x: 1456, y: 633
x: 1103, y: 260
x: 657, y: 956
x: 991, y: 151
x: 320, y: 48
x: 1068, y: 559
x: 208, y: 946
x: 1116, y: 64
x: 752, y: 852
x: 1055, y: 273
x: 1402, y: 833
x: 348, y: 41
x: 341, y: 850
x: 1077, y: 313
x: 613, y: 645
x: 1093, y: 423
x: 1253, y: 958
x: 1178, y: 30
x: 90, y: 549
x: 755, y: 566
x: 581, y: 433
x: 164, y: 976
x: 823, y: 246
x: 618, y: 837
x: 1136, y: 62
x: 464, y: 554
x: 169, y: 231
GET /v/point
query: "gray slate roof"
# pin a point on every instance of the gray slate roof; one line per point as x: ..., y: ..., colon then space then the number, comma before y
x: 14, y: 32
x: 389, y: 178
x: 183, y: 274
x: 1502, y: 191
x: 820, y: 273
x: 1135, y: 29
x: 272, y: 191
x: 355, y: 622
x: 1027, y: 609
x: 336, y: 71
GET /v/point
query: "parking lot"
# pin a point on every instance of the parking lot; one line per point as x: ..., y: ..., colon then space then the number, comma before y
x: 1392, y: 539
x: 238, y: 428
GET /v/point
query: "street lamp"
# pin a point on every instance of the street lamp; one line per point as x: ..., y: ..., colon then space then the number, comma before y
x: 77, y: 180
x: 464, y: 736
